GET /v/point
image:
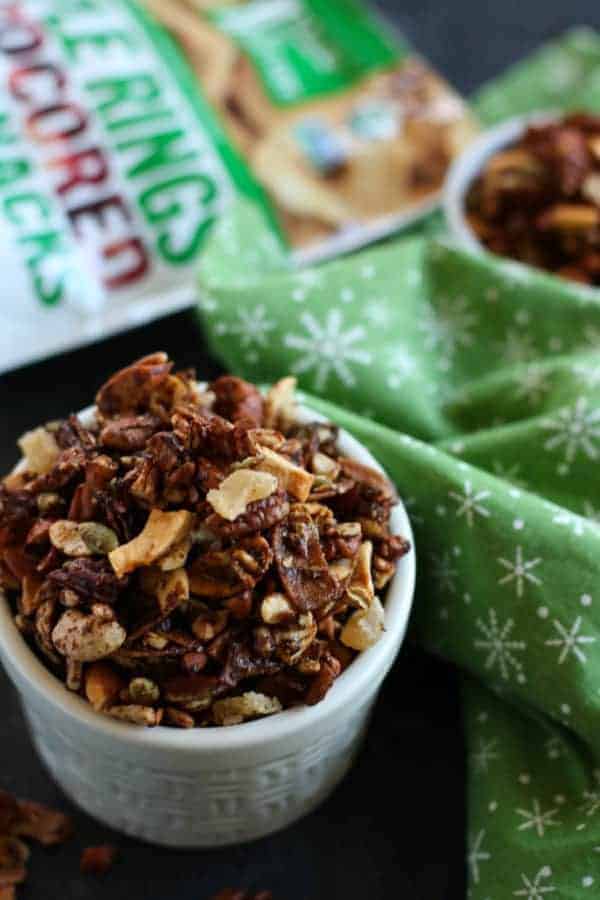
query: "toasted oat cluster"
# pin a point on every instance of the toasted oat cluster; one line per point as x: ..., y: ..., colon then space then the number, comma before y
x: 539, y: 200
x: 195, y: 557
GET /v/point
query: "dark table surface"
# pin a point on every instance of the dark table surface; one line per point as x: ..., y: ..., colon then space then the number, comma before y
x: 394, y: 828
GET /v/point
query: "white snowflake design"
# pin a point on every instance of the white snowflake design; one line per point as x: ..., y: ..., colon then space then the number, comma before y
x: 413, y: 277
x: 412, y: 506
x: 537, y: 819
x: 470, y: 503
x: 377, y: 313
x: 485, y: 754
x: 562, y: 71
x: 591, y: 803
x: 252, y: 326
x: 554, y: 747
x: 520, y: 571
x: 402, y: 365
x: 517, y: 347
x: 570, y: 641
x: 501, y: 648
x: 328, y: 349
x: 448, y: 326
x: 533, y: 889
x: 509, y: 473
x: 589, y: 374
x: 477, y: 855
x: 575, y: 430
x: 309, y: 278
x: 532, y: 384
x: 444, y: 573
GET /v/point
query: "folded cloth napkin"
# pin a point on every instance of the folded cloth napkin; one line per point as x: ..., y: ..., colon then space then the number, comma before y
x: 476, y: 383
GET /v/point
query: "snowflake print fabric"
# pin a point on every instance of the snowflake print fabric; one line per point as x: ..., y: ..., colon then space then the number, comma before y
x: 476, y: 383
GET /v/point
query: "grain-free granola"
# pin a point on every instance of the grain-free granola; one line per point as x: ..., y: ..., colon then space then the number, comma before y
x: 538, y: 200
x: 195, y: 557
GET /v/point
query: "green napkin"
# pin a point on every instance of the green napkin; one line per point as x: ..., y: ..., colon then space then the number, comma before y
x: 476, y: 383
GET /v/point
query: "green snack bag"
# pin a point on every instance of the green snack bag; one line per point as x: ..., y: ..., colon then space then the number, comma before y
x: 347, y: 130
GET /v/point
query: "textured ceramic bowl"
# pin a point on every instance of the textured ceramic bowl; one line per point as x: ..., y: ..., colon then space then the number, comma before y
x: 469, y: 164
x: 209, y: 787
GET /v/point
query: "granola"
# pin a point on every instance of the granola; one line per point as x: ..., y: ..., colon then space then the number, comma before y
x: 195, y: 557
x: 539, y: 200
x: 97, y: 860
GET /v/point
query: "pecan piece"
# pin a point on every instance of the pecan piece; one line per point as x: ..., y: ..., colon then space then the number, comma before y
x: 71, y: 433
x: 13, y: 856
x: 225, y: 573
x: 237, y: 399
x: 17, y: 512
x: 129, y: 433
x: 368, y: 476
x: 130, y: 389
x: 192, y: 692
x: 292, y: 641
x: 40, y: 823
x: 301, y: 563
x: 329, y: 670
x: 69, y: 467
x: 9, y: 811
x: 259, y: 516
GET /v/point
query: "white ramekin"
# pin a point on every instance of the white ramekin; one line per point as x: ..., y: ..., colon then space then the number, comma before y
x: 466, y: 167
x: 209, y: 787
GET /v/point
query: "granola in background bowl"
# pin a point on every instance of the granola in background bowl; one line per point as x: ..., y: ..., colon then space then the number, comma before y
x: 529, y: 190
x: 193, y: 556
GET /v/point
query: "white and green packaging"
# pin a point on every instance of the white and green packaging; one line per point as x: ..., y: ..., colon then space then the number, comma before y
x: 117, y: 154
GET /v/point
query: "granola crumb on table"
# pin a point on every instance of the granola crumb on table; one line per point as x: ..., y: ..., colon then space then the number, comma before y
x: 97, y: 860
x: 194, y: 557
x: 24, y: 819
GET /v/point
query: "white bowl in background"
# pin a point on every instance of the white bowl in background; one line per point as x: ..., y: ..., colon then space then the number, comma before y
x: 465, y: 169
x: 215, y: 786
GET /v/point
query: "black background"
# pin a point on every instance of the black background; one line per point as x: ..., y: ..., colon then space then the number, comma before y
x: 394, y: 828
